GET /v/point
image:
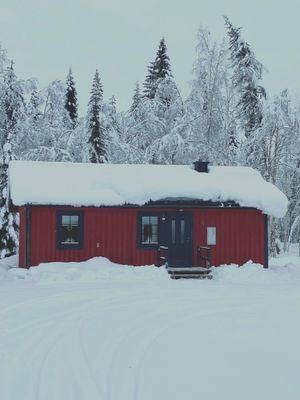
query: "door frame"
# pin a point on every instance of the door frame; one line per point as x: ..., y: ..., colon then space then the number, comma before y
x: 164, y: 231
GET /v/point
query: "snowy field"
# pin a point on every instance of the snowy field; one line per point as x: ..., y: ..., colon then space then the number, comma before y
x: 100, y: 331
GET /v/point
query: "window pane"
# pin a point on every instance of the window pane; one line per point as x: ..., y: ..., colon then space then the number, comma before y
x: 173, y: 228
x: 147, y: 233
x: 182, y: 231
x: 70, y: 234
x: 153, y: 220
x: 65, y: 219
x: 154, y: 229
x: 74, y: 219
x: 145, y: 220
x: 154, y: 239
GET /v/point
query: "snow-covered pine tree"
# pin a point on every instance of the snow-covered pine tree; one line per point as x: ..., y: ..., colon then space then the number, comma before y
x: 154, y: 111
x: 12, y: 107
x: 158, y: 69
x: 162, y: 61
x: 150, y: 82
x: 112, y: 103
x: 33, y: 109
x: 71, y: 99
x: 4, y: 61
x: 77, y: 143
x: 8, y: 219
x: 168, y: 147
x: 96, y: 140
x: 48, y: 128
x: 247, y: 72
x: 28, y: 138
x: 136, y: 100
x: 110, y: 127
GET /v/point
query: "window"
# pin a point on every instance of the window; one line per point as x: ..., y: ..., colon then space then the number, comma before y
x: 148, y: 231
x: 182, y: 231
x: 211, y: 235
x: 69, y: 230
x: 173, y: 231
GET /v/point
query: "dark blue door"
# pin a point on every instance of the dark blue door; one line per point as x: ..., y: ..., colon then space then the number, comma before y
x: 179, y: 239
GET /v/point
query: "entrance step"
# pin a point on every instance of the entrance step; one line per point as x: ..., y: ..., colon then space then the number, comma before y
x: 189, y: 272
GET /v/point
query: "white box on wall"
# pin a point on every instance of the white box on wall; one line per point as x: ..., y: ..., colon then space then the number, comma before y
x: 211, y: 235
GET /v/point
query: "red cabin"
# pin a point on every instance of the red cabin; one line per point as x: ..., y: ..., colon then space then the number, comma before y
x: 73, y: 212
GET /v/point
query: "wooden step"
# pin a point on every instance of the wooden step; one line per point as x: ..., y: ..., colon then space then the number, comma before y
x: 190, y: 276
x: 188, y: 269
x: 189, y: 272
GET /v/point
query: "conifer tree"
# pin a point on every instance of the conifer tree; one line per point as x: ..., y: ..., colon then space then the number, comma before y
x: 97, y: 151
x: 33, y: 111
x: 162, y: 61
x: 136, y: 99
x: 12, y: 103
x: 71, y: 99
x: 247, y: 71
x: 113, y: 105
x: 110, y: 116
x: 158, y: 69
x: 150, y: 82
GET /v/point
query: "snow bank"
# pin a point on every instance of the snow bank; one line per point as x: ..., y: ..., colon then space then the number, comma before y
x: 100, y: 269
x: 281, y: 269
x: 95, y: 269
x: 6, y: 265
x: 80, y: 184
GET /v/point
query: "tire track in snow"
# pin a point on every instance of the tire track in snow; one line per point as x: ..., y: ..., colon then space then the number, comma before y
x: 40, y: 335
x: 130, y: 346
x: 135, y: 344
x: 43, y: 336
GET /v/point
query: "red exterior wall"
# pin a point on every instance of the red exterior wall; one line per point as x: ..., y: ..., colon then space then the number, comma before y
x: 240, y: 235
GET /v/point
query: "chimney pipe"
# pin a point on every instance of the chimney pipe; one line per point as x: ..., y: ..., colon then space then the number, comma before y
x: 201, y: 166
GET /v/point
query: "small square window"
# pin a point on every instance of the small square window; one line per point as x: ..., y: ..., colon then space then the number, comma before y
x: 69, y: 230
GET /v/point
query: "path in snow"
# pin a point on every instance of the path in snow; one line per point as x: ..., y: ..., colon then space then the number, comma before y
x: 139, y: 336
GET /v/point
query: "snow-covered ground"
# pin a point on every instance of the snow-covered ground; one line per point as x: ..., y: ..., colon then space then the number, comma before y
x: 100, y: 331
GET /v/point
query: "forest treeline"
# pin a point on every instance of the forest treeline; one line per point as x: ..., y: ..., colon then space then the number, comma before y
x: 227, y: 119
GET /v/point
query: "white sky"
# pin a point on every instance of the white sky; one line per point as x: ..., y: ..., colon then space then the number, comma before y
x: 45, y: 37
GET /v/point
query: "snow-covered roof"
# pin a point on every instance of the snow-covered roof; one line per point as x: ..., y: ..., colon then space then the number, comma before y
x: 79, y: 184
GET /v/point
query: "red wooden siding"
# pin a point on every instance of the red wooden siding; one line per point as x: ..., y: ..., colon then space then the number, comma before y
x: 115, y: 229
x: 240, y: 235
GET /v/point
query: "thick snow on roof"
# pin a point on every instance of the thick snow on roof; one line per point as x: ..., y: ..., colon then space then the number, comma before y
x: 79, y: 184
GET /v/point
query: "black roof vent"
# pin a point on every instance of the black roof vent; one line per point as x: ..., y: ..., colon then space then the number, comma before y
x: 201, y: 166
